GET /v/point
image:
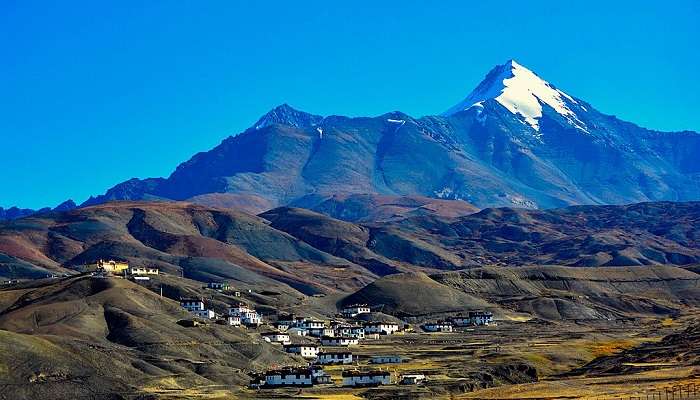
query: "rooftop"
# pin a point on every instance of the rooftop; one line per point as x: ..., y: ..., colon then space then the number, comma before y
x: 289, y: 370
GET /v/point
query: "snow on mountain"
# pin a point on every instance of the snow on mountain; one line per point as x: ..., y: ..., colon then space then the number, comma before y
x: 517, y: 146
x: 521, y: 92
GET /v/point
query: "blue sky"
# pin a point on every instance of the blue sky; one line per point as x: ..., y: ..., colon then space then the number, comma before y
x: 93, y: 93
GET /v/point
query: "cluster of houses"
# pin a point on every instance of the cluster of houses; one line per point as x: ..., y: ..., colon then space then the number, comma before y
x: 334, y: 339
x: 473, y: 318
x: 335, y: 333
x: 239, y: 315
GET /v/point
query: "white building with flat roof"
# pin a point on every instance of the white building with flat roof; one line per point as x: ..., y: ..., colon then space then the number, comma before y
x: 276, y: 337
x: 355, y: 310
x: 338, y: 341
x: 320, y: 332
x: 143, y: 271
x: 386, y: 359
x: 412, y: 379
x: 304, y: 350
x: 438, y: 327
x: 289, y: 377
x: 382, y: 328
x: 366, y: 378
x: 192, y: 304
x: 249, y: 317
x: 312, y: 324
x: 205, y: 314
x: 334, y: 357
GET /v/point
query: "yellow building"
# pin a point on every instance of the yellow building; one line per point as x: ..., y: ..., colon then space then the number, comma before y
x: 111, y: 266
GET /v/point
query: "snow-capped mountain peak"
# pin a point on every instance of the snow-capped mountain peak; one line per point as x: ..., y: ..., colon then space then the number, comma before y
x: 521, y: 92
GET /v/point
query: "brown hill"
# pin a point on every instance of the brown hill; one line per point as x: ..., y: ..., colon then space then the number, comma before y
x: 88, y: 337
x: 312, y: 252
x: 551, y: 293
x: 181, y: 238
x: 636, y: 234
x: 414, y: 294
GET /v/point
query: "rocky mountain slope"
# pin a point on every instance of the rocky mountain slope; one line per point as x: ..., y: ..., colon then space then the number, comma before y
x: 516, y: 140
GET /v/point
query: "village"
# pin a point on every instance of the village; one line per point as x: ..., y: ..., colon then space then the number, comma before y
x: 321, y: 343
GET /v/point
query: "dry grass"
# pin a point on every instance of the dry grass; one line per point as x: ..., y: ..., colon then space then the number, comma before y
x: 610, y: 347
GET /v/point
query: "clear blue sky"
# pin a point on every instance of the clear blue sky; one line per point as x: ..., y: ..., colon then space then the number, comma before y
x: 96, y: 92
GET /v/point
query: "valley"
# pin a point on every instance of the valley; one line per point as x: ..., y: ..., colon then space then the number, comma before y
x: 520, y: 245
x: 88, y: 336
x: 569, y: 290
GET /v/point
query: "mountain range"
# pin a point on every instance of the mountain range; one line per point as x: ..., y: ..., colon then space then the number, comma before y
x: 514, y: 141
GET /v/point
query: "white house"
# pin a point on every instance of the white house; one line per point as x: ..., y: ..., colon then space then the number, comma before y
x: 387, y: 359
x: 289, y: 377
x: 461, y: 320
x: 218, y: 285
x: 358, y: 332
x: 196, y: 307
x: 239, y: 309
x: 233, y: 320
x: 350, y: 330
x: 338, y: 341
x: 481, y: 317
x: 312, y: 324
x: 334, y: 357
x: 304, y: 350
x: 206, y: 314
x: 320, y: 377
x: 355, y: 310
x: 192, y: 304
x: 438, y: 327
x: 382, y: 328
x: 249, y: 316
x: 298, y: 332
x: 276, y: 337
x: 366, y: 378
x: 412, y: 379
x: 320, y: 332
x: 143, y: 271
